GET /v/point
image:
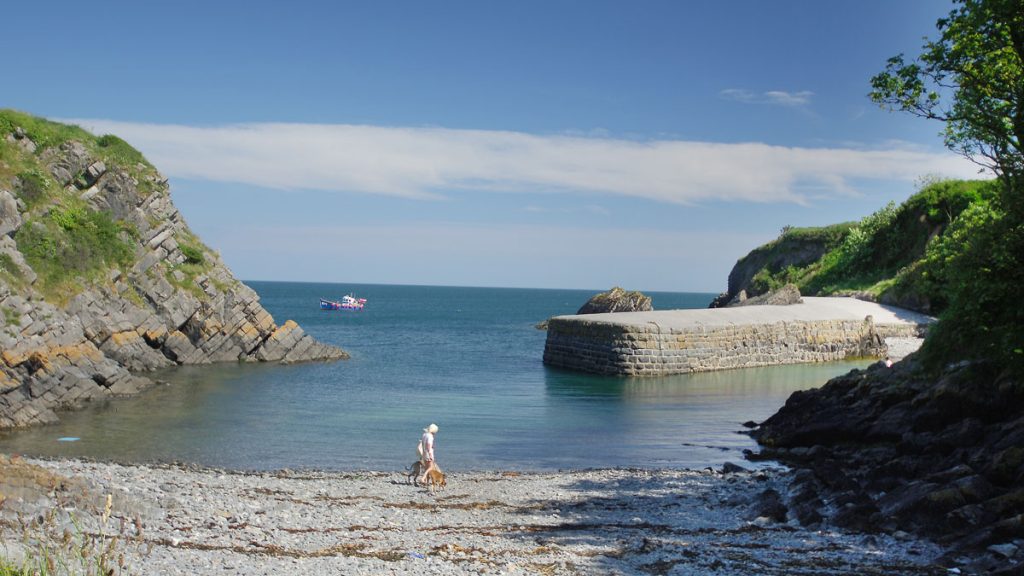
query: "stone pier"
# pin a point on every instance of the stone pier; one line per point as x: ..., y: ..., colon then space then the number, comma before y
x: 666, y: 342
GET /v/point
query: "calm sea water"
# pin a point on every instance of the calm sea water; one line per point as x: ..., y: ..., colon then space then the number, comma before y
x: 468, y: 359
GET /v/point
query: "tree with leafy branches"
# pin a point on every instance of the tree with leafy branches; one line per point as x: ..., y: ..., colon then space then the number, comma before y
x: 972, y: 79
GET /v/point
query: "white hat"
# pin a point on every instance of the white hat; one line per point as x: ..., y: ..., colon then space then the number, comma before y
x: 432, y: 428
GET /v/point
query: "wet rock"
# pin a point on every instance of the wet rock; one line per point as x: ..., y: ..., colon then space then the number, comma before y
x: 731, y: 468
x: 904, y: 450
x: 1007, y: 550
x: 10, y: 216
x: 769, y: 504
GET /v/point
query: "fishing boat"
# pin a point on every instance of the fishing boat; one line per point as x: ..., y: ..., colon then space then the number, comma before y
x: 348, y: 302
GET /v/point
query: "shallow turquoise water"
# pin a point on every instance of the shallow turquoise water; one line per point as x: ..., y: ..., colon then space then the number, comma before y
x: 468, y: 359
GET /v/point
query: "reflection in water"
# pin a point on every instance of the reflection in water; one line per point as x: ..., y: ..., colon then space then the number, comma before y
x: 722, y: 383
x: 772, y: 380
x: 686, y: 420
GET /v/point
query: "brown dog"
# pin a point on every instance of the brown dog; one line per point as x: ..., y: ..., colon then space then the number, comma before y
x: 435, y: 478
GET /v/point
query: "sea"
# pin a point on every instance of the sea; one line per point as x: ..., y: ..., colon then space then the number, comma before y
x: 467, y: 359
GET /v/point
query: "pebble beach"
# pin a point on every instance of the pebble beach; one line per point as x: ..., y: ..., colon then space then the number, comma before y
x: 172, y: 519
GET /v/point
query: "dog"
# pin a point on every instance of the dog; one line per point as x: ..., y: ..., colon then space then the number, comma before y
x: 435, y: 478
x: 415, y: 471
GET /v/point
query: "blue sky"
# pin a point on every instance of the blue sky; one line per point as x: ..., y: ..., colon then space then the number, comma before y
x: 534, y: 144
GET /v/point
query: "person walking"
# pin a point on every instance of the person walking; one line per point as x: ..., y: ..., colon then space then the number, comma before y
x: 427, y: 451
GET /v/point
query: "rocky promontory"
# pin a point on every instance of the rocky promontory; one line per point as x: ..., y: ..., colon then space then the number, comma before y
x: 101, y: 279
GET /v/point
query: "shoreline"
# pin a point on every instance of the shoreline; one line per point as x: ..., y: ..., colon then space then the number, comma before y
x: 193, y: 520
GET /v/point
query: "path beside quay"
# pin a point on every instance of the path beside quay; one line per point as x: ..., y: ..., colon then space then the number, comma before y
x: 813, y: 308
x: 201, y: 521
x: 664, y: 342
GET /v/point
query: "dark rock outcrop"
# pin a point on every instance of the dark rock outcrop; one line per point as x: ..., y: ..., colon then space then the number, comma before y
x: 616, y: 300
x: 785, y: 296
x: 895, y: 449
x: 154, y: 313
x: 787, y: 251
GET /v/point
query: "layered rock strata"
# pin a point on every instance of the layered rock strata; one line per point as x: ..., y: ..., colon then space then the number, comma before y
x: 151, y: 314
x: 684, y: 341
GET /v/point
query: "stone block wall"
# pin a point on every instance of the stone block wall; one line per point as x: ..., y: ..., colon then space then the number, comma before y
x: 579, y: 344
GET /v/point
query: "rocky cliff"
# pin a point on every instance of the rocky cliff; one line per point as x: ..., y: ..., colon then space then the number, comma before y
x: 900, y: 449
x: 101, y: 280
x: 793, y: 248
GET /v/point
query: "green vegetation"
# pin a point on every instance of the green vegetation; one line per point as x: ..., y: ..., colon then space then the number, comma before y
x: 972, y: 79
x: 70, y: 244
x: 67, y: 243
x: 954, y: 248
x: 8, y: 268
x: 47, y: 134
x: 14, y: 162
x: 828, y: 235
x: 34, y: 187
x: 118, y: 151
x: 44, y: 133
x: 881, y: 254
x: 184, y: 276
x: 193, y: 254
x: 10, y: 317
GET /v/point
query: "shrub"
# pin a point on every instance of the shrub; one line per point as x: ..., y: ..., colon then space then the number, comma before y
x: 72, y: 242
x: 977, y: 266
x: 878, y: 253
x: 193, y: 254
x: 32, y: 186
x: 10, y: 271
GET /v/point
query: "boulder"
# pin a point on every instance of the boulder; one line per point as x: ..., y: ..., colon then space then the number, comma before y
x: 785, y: 296
x: 67, y: 162
x: 616, y: 300
x: 10, y: 216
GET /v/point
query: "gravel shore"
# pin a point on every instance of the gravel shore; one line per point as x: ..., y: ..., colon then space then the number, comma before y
x: 185, y: 520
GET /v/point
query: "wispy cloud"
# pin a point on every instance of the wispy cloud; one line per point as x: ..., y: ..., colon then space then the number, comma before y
x: 776, y: 97
x: 431, y: 162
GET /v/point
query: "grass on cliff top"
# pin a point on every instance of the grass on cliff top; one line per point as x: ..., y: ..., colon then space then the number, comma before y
x: 46, y: 134
x: 794, y: 238
x: 829, y: 235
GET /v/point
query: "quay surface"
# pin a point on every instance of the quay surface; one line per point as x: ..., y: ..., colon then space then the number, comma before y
x: 666, y: 342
